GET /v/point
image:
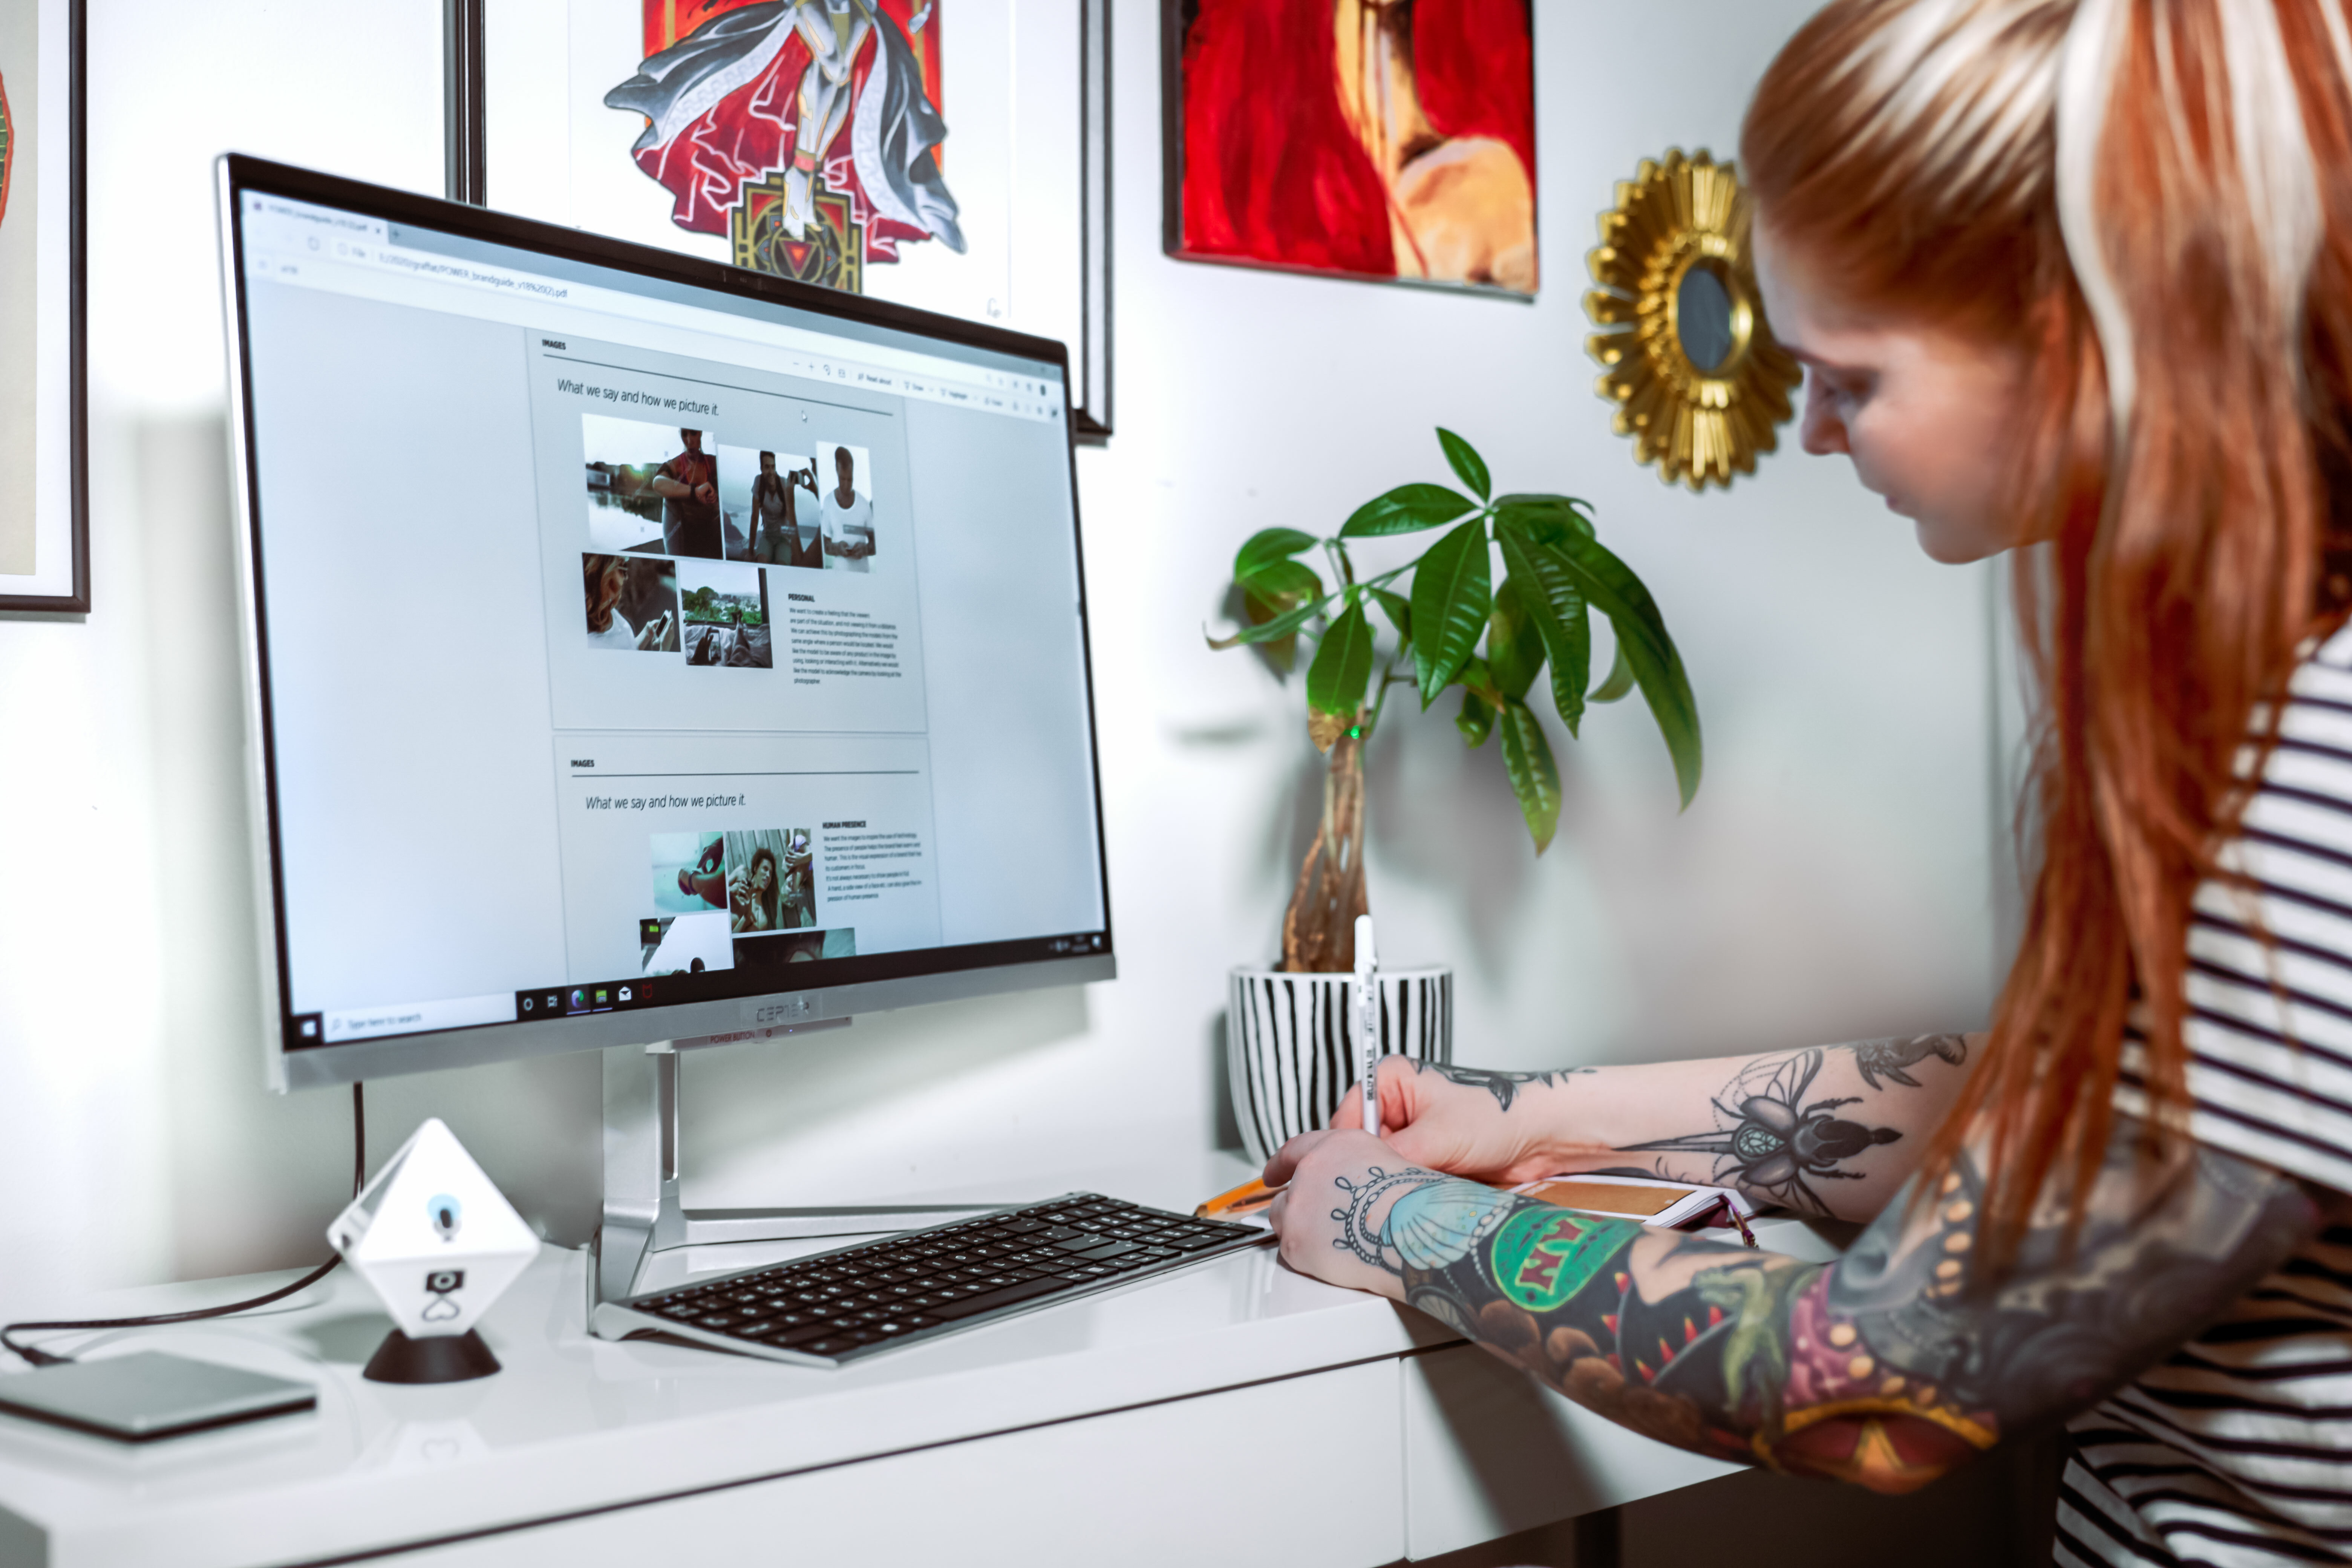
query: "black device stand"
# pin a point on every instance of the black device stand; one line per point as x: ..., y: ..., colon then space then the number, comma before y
x: 445, y: 1358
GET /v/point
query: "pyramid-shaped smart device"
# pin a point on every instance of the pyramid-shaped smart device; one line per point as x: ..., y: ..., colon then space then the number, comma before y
x: 435, y: 1238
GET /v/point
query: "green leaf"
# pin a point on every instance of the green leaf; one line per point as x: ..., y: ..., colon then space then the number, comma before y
x: 1546, y: 520
x: 1611, y: 587
x: 1343, y: 664
x: 1548, y: 591
x: 1514, y: 648
x: 1476, y: 721
x: 1535, y: 777
x: 1408, y: 509
x: 1451, y: 595
x: 1621, y: 677
x: 1399, y: 613
x: 1282, y: 625
x: 1268, y: 545
x: 1466, y: 462
x: 1476, y: 680
x: 1284, y: 582
x: 1282, y: 653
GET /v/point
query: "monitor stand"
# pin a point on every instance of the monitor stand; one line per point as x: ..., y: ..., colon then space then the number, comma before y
x: 644, y: 1214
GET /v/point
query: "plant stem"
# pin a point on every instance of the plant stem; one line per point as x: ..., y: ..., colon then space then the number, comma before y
x: 1319, y: 932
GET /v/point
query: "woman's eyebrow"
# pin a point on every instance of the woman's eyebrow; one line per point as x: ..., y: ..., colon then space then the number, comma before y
x: 1816, y: 361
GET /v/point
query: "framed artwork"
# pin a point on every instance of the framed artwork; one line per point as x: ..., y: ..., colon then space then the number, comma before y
x: 44, y: 444
x: 1388, y: 140
x: 949, y: 154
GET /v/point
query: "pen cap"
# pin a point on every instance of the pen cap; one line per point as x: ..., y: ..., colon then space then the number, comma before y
x: 1366, y: 957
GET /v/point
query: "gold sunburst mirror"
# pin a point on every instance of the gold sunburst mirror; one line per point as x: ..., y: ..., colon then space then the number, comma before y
x: 1698, y: 383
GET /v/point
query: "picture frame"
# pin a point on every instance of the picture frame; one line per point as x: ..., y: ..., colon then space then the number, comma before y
x: 1370, y: 143
x: 1026, y: 83
x: 44, y: 389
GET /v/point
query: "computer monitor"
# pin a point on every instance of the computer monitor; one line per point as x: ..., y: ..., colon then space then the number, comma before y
x: 640, y: 647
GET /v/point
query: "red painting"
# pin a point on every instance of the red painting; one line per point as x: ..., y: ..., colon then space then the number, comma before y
x: 1389, y: 139
x: 808, y: 132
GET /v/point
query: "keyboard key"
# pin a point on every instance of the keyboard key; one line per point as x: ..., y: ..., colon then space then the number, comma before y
x: 833, y: 1346
x: 1027, y: 1291
x: 1107, y: 1251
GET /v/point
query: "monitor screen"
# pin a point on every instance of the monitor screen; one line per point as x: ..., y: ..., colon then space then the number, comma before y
x: 641, y: 648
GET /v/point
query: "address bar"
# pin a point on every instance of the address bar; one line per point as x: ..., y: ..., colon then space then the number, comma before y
x: 433, y: 269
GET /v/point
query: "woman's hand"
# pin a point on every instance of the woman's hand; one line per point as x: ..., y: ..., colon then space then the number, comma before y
x: 1311, y: 1216
x: 1502, y: 1128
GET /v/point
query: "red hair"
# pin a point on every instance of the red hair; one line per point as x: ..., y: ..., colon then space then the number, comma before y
x: 2128, y: 192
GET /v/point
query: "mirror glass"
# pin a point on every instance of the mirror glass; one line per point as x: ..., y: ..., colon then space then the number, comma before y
x: 1702, y: 318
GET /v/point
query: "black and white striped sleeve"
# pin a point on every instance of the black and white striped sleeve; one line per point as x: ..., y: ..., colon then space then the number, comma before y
x: 2269, y: 1024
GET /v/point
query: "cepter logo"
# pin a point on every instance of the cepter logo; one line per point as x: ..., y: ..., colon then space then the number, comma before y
x: 779, y: 1010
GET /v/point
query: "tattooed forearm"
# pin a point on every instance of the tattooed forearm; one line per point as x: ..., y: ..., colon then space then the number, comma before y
x: 1505, y: 1085
x: 1771, y: 1140
x: 1887, y: 1368
x: 1895, y: 1057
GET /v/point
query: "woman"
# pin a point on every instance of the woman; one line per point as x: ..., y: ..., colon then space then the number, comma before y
x: 603, y: 579
x: 2075, y: 274
x: 754, y: 893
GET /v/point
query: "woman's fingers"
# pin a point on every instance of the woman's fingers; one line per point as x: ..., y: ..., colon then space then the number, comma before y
x: 1286, y: 1159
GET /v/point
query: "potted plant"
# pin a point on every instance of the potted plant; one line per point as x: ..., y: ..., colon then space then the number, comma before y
x: 1442, y: 619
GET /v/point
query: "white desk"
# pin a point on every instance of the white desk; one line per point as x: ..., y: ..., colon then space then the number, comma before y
x: 1234, y: 1412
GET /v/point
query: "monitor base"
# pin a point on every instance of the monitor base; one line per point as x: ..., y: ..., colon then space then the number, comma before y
x: 444, y: 1358
x: 643, y: 1211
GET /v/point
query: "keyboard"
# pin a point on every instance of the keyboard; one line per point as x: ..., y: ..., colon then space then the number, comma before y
x: 860, y: 1301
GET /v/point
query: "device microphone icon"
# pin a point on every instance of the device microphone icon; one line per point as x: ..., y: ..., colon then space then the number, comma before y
x: 444, y: 1211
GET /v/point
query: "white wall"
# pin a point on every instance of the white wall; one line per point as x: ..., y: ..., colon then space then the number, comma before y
x: 1832, y: 881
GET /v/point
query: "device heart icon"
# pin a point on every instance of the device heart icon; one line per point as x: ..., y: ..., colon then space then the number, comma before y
x: 440, y: 1309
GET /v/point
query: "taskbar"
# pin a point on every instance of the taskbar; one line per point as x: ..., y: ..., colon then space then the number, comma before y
x: 802, y: 966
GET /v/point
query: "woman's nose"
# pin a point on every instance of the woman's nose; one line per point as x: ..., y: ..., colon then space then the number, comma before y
x: 1821, y: 432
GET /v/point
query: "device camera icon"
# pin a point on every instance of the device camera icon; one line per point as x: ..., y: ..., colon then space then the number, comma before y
x: 447, y: 1214
x: 440, y: 1285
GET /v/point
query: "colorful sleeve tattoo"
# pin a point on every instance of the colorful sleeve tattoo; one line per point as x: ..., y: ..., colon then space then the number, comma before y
x: 1887, y: 1368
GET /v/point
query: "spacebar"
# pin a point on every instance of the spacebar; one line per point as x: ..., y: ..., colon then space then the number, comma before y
x: 1027, y: 1290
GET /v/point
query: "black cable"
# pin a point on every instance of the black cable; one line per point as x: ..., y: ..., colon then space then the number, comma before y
x: 35, y: 1356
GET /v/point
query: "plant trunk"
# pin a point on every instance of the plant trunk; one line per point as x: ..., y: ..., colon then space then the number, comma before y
x: 1318, y: 931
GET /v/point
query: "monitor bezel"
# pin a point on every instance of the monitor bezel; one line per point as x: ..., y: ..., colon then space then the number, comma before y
x: 309, y: 1066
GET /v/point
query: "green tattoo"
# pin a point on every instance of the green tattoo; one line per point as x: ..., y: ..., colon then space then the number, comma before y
x: 1542, y: 1255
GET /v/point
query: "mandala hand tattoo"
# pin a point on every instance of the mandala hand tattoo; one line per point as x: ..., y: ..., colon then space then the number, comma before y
x: 1504, y: 1086
x: 1433, y: 1221
x: 1771, y: 1141
x: 1356, y: 1232
x: 1894, y: 1057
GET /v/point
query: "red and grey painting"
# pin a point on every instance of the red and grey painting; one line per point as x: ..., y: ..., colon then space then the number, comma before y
x: 808, y: 133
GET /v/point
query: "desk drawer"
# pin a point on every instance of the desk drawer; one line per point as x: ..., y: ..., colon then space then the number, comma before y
x: 1490, y: 1452
x: 1306, y: 1472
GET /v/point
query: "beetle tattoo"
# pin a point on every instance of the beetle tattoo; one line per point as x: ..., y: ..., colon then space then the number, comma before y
x: 1768, y: 1140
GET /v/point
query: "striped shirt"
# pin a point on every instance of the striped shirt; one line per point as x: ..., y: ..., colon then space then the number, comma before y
x: 2238, y: 1449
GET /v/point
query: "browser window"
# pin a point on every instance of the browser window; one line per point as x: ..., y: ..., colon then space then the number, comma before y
x: 626, y: 643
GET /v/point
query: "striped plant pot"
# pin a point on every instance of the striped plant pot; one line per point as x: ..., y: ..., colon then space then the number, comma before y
x: 1289, y: 1053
